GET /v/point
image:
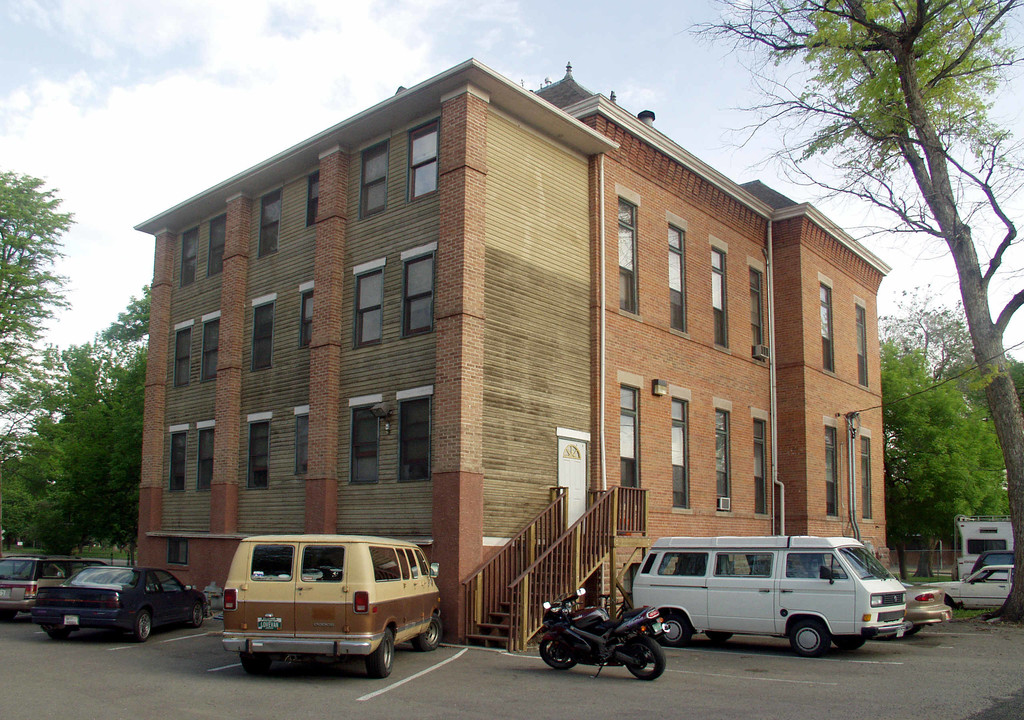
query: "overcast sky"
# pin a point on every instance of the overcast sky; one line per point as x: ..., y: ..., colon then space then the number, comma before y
x: 128, y: 108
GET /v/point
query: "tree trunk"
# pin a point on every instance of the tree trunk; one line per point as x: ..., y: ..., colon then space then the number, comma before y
x: 901, y: 559
x: 924, y: 560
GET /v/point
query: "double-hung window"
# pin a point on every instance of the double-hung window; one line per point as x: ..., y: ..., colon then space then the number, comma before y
x: 865, y: 477
x: 262, y: 336
x: 373, y: 190
x: 722, y: 469
x: 760, y: 477
x: 756, y: 303
x: 423, y: 160
x: 259, y: 454
x: 306, y: 319
x: 629, y: 438
x: 182, y: 356
x: 369, y: 310
x: 680, y: 455
x: 270, y: 222
x: 827, y: 348
x: 862, y: 345
x: 302, y: 443
x: 218, y: 234
x: 189, y: 250
x: 365, y: 441
x: 627, y: 256
x: 179, y: 444
x: 677, y: 278
x: 211, y: 346
x: 718, y: 297
x: 414, y: 439
x: 418, y: 295
x: 312, y: 198
x: 204, y: 474
x: 831, y: 472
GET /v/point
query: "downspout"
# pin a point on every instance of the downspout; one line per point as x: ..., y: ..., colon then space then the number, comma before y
x: 772, y: 383
x: 601, y: 360
x: 852, y: 423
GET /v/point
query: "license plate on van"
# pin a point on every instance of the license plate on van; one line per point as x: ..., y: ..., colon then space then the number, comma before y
x: 268, y: 623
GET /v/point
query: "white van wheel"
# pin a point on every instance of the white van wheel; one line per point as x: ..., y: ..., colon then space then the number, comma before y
x: 677, y: 630
x: 430, y: 638
x: 809, y: 637
x: 378, y: 663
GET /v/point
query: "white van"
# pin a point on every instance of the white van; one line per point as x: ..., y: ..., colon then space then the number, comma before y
x: 813, y: 590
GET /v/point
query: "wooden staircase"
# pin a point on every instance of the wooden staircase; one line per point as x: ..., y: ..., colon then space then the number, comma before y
x: 547, y: 561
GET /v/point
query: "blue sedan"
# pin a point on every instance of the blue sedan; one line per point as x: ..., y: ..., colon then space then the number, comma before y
x: 133, y: 599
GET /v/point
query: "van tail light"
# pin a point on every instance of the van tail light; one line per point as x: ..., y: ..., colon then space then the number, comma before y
x: 361, y: 602
x: 30, y: 590
x: 230, y: 599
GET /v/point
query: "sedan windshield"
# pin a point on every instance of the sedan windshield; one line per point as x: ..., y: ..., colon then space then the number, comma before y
x: 110, y: 577
x: 865, y: 564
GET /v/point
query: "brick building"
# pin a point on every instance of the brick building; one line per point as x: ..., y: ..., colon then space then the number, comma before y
x: 421, y: 320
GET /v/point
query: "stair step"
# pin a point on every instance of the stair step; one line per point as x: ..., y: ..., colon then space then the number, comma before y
x: 487, y: 640
x: 494, y: 626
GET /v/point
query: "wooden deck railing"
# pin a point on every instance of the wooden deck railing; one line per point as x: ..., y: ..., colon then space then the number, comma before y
x: 573, y: 557
x: 488, y: 589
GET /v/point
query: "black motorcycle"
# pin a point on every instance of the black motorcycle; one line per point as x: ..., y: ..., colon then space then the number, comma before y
x: 592, y: 637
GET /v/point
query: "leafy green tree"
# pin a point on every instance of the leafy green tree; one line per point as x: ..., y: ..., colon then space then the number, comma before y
x: 31, y: 227
x: 941, y: 458
x: 895, y: 96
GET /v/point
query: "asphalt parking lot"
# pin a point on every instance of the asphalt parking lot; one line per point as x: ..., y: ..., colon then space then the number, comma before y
x: 961, y: 670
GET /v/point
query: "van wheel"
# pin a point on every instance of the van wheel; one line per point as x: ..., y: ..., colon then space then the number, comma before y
x: 430, y: 638
x: 677, y: 630
x: 809, y: 638
x: 717, y: 637
x: 849, y: 642
x: 254, y: 664
x: 378, y: 664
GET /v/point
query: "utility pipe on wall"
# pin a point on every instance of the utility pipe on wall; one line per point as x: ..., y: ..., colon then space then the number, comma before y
x: 772, y: 384
x: 601, y: 362
x: 852, y: 425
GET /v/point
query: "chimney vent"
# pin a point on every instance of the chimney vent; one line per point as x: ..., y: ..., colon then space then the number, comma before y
x: 646, y: 117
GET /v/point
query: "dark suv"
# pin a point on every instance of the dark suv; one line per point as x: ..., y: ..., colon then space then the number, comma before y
x: 993, y: 557
x: 21, y: 576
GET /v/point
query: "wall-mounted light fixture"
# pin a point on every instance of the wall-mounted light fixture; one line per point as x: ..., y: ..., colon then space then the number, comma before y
x: 383, y: 411
x: 659, y: 387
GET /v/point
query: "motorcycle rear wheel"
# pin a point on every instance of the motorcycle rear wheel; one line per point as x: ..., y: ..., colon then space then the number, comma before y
x: 556, y: 655
x: 649, y: 658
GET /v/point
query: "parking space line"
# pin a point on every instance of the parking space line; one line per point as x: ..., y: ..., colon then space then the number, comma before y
x: 189, y: 637
x: 225, y: 667
x: 432, y: 668
x: 751, y: 677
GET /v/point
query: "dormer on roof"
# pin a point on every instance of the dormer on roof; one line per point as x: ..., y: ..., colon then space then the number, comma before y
x: 564, y: 92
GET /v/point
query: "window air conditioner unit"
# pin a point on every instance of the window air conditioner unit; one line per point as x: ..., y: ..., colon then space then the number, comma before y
x: 759, y: 352
x: 724, y: 503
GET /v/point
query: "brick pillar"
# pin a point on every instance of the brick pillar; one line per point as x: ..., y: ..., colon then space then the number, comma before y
x: 325, y: 347
x: 458, y: 392
x: 227, y: 440
x: 154, y: 433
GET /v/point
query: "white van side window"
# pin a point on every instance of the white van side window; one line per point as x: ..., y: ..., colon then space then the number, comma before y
x: 323, y: 563
x: 422, y: 562
x: 385, y: 564
x: 691, y: 564
x: 809, y: 565
x: 272, y: 562
x: 743, y: 564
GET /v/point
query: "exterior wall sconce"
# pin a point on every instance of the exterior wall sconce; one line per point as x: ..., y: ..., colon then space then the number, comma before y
x: 383, y: 411
x: 659, y: 387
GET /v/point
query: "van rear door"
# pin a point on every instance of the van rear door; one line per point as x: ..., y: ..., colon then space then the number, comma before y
x: 272, y: 569
x: 322, y: 601
x: 802, y: 589
x: 741, y: 595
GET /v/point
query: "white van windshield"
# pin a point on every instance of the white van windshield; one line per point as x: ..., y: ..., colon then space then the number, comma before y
x: 865, y: 564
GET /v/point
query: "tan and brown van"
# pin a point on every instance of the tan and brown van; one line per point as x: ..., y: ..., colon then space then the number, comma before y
x: 325, y: 597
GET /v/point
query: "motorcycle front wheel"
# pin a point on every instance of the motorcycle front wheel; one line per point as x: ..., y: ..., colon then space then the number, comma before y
x: 648, y: 658
x: 556, y: 655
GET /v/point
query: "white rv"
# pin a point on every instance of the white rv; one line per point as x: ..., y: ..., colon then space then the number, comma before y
x: 975, y: 535
x: 814, y: 590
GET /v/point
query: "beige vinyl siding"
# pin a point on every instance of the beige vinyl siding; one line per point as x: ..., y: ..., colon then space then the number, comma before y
x: 280, y: 507
x: 189, y: 510
x: 386, y: 507
x: 537, y: 337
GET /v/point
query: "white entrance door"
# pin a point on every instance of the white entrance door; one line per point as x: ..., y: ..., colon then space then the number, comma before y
x: 572, y: 475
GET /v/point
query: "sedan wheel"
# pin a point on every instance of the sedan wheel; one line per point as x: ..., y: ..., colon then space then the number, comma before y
x: 197, y: 616
x: 143, y: 626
